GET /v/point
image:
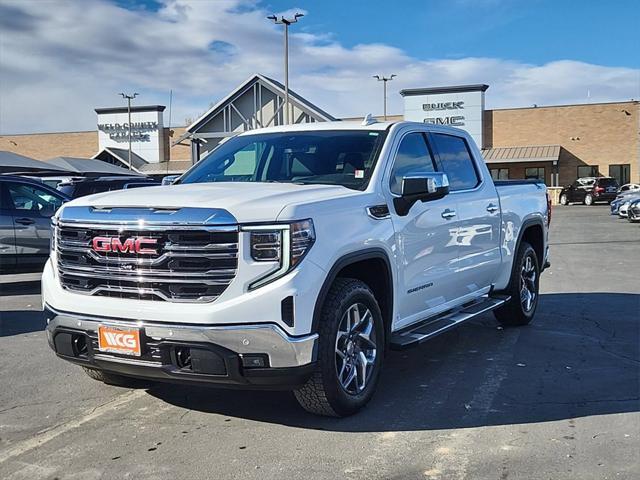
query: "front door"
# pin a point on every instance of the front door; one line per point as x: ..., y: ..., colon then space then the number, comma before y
x: 426, y: 239
x: 32, y: 210
x: 7, y: 235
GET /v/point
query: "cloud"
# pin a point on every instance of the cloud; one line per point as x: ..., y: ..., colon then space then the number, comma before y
x: 61, y: 59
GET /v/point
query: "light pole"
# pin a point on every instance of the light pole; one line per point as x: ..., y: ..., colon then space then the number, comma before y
x: 129, y: 98
x: 385, y: 80
x: 286, y: 22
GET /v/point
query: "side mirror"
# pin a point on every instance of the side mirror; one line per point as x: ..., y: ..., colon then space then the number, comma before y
x: 169, y: 179
x: 423, y: 187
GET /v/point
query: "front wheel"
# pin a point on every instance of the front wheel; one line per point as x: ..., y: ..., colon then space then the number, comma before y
x: 523, y: 289
x: 588, y: 200
x: 564, y: 200
x: 350, y: 352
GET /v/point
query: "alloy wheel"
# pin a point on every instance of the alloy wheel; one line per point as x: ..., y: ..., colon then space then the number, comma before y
x: 356, y: 348
x: 528, y: 290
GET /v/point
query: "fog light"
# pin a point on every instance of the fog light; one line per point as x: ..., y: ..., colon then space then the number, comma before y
x: 254, y: 360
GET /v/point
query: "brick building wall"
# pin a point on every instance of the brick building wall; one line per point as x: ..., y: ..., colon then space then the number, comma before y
x: 591, y: 134
x: 42, y: 146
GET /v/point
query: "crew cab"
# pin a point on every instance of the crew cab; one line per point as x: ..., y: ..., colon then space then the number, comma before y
x: 295, y: 257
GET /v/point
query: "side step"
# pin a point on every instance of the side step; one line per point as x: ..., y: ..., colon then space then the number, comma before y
x: 422, y: 331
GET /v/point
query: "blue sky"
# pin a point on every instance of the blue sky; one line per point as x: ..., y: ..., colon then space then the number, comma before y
x: 76, y: 55
x: 532, y: 31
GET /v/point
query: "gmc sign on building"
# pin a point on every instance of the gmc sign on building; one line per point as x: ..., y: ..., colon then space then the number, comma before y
x: 459, y: 106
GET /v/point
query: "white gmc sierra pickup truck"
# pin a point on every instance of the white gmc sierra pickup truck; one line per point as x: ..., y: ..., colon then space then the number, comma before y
x: 294, y: 257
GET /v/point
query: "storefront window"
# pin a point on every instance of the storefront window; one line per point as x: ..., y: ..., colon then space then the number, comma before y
x: 500, y: 173
x: 622, y: 173
x: 534, y: 173
x: 587, y: 171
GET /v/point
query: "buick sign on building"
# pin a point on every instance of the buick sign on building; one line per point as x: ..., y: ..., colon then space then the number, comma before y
x: 459, y: 106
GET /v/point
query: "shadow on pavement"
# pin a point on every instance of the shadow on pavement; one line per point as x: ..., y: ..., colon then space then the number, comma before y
x: 579, y: 357
x: 15, y: 322
x: 20, y: 288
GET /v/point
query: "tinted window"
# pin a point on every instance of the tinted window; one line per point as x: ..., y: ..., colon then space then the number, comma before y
x: 456, y: 161
x: 315, y: 157
x: 607, y: 182
x: 30, y: 198
x: 413, y: 156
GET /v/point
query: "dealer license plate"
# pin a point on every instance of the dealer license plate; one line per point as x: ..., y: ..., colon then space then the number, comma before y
x: 119, y: 340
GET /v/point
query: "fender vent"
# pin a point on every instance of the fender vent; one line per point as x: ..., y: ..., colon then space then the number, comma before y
x: 286, y: 310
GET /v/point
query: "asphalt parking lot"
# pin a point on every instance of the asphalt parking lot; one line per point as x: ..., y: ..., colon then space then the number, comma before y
x: 559, y: 399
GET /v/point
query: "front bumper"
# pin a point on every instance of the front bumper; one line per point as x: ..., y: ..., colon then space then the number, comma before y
x: 225, y: 353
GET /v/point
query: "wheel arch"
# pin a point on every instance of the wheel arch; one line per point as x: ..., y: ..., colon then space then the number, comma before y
x: 363, y: 265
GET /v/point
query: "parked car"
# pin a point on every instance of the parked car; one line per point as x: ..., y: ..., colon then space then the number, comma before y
x: 80, y: 187
x: 633, y: 211
x: 292, y: 257
x: 26, y: 208
x: 629, y: 187
x: 621, y: 199
x: 589, y: 190
x: 623, y: 209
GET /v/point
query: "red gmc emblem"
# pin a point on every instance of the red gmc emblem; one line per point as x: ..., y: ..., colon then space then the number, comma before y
x: 145, y: 246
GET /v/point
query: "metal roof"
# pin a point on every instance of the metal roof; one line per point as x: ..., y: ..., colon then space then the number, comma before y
x: 122, y: 155
x: 537, y: 153
x: 88, y: 165
x: 13, y: 162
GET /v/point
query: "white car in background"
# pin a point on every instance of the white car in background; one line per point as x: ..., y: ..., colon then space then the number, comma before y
x: 629, y: 187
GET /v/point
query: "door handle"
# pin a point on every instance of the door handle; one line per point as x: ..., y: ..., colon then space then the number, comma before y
x: 491, y: 208
x: 25, y: 221
x: 448, y: 214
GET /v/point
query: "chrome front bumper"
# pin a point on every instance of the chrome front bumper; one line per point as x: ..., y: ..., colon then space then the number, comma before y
x: 283, y: 350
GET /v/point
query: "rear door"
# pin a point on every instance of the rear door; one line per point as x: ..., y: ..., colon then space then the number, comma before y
x: 425, y: 238
x: 479, y: 218
x: 7, y: 234
x: 32, y: 209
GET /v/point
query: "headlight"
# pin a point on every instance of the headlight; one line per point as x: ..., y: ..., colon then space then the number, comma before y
x: 286, y: 244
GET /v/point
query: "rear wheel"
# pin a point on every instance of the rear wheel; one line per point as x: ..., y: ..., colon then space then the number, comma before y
x: 523, y: 289
x: 564, y: 200
x: 588, y: 199
x: 115, y: 379
x: 350, y: 352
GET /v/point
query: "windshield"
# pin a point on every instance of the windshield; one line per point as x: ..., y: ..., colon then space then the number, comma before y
x: 344, y: 157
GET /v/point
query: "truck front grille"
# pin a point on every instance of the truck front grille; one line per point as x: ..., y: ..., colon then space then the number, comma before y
x: 175, y: 265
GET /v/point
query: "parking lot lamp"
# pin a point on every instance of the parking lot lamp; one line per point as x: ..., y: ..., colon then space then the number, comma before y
x: 385, y: 80
x: 129, y: 98
x: 286, y: 22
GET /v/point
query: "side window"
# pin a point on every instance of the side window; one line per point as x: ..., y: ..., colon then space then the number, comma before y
x: 244, y: 161
x: 456, y: 161
x: 413, y: 156
x: 33, y: 199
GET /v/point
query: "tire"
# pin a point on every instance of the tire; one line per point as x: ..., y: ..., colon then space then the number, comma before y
x: 588, y: 200
x: 564, y: 200
x: 327, y: 391
x: 115, y: 379
x: 517, y: 312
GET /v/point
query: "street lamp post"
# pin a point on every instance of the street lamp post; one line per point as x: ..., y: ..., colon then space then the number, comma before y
x: 129, y: 98
x: 385, y: 80
x: 286, y: 22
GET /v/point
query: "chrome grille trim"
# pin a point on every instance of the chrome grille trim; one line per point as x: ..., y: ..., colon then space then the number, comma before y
x: 195, y: 264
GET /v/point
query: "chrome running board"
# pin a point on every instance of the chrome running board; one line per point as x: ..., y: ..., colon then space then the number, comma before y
x: 422, y: 331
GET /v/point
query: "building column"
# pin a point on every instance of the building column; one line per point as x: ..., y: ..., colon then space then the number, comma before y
x: 195, y: 150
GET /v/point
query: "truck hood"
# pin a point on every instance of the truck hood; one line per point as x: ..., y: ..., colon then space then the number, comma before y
x: 247, y: 202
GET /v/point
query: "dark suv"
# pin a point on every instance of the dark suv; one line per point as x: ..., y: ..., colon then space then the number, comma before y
x: 88, y: 185
x: 589, y: 190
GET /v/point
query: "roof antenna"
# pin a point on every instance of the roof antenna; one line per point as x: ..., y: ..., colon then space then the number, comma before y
x: 369, y: 120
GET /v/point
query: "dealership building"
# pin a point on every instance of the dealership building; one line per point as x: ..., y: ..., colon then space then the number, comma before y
x: 556, y: 143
